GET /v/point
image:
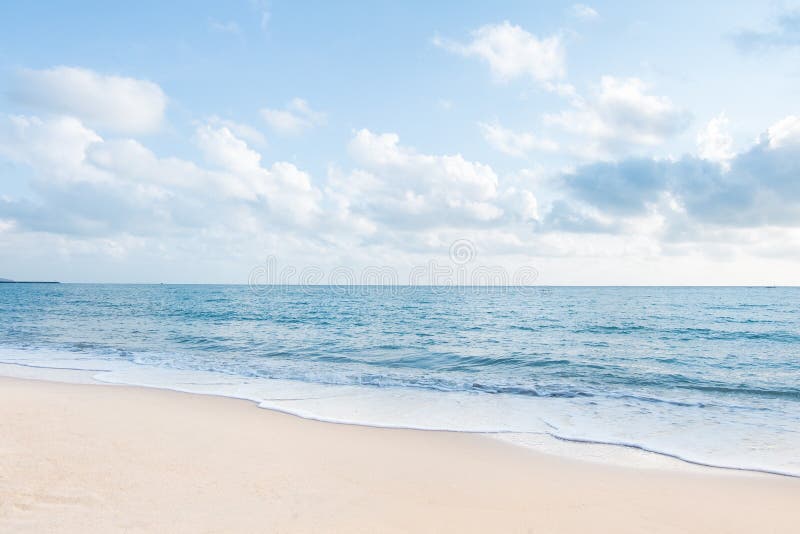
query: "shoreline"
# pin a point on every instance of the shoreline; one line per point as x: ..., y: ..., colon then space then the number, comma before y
x: 94, y: 458
x: 629, y: 455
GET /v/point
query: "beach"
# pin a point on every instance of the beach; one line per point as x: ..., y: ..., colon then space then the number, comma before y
x: 518, y: 267
x: 96, y: 458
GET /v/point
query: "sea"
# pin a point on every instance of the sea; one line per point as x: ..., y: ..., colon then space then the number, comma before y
x: 702, y: 375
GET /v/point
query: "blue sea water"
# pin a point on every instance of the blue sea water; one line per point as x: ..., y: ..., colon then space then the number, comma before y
x: 709, y: 375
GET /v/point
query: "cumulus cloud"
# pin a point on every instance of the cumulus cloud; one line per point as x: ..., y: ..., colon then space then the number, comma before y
x: 92, y: 188
x: 296, y: 118
x: 114, y: 103
x: 759, y: 187
x: 582, y: 11
x: 417, y: 202
x: 620, y: 114
x: 222, y: 148
x: 86, y: 184
x: 244, y: 131
x: 514, y: 143
x: 785, y: 132
x: 620, y: 188
x: 398, y: 185
x: 714, y: 142
x: 73, y: 196
x: 55, y: 147
x: 511, y: 52
x: 111, y: 195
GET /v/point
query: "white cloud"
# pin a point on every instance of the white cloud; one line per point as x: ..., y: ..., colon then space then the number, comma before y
x: 222, y: 148
x: 402, y: 188
x: 296, y: 118
x: 108, y: 197
x: 115, y: 103
x: 756, y: 188
x: 621, y: 114
x: 244, y: 131
x: 451, y: 175
x: 514, y: 143
x: 582, y: 11
x: 56, y: 147
x: 286, y: 190
x: 95, y: 186
x: 714, y: 142
x: 784, y: 132
x: 512, y: 52
x: 90, y: 189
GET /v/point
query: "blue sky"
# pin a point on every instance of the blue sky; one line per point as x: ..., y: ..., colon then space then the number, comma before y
x: 600, y: 143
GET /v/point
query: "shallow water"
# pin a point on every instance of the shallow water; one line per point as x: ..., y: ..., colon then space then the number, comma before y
x: 711, y: 375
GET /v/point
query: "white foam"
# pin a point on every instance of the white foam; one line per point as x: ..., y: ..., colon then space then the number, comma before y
x: 550, y: 425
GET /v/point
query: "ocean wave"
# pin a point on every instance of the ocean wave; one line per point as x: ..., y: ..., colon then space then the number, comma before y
x: 695, y: 371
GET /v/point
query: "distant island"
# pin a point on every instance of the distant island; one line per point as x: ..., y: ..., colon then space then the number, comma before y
x: 8, y: 281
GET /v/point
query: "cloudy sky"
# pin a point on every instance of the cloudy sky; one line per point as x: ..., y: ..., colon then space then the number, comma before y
x: 617, y: 143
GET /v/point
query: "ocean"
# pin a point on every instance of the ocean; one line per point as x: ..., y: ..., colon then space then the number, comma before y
x: 709, y: 375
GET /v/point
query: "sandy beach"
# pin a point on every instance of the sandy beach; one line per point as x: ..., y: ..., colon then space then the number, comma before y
x: 88, y: 458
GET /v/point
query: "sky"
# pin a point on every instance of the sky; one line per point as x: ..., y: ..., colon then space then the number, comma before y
x: 621, y: 143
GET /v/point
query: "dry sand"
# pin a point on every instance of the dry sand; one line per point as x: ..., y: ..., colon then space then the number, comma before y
x: 86, y: 458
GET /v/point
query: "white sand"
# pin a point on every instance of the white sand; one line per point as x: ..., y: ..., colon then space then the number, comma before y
x: 87, y: 458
